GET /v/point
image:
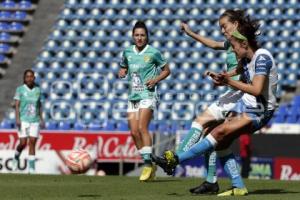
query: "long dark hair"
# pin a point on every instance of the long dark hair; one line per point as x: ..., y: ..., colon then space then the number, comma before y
x: 27, y: 71
x: 234, y: 15
x: 246, y: 26
x: 250, y: 29
x: 141, y: 24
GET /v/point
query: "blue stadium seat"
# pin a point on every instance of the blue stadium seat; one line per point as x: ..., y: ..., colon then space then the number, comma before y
x: 51, y: 125
x: 8, y: 4
x: 6, y: 124
x: 79, y: 126
x: 25, y: 4
x: 83, y: 42
x: 64, y: 125
x: 16, y: 26
x: 20, y: 15
x: 4, y: 26
x: 4, y: 48
x: 4, y: 37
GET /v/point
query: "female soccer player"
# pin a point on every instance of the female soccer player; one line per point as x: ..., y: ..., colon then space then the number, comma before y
x: 253, y: 110
x: 228, y: 21
x: 145, y: 67
x: 28, y: 118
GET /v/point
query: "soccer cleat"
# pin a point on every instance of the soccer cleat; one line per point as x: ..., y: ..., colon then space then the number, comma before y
x: 162, y: 162
x: 234, y: 192
x: 146, y: 173
x: 15, y: 163
x: 206, y: 188
x: 172, y: 159
x: 168, y: 162
x: 153, y: 172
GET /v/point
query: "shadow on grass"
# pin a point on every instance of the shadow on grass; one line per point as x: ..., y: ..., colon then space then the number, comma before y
x: 89, y: 195
x: 176, y: 194
x: 165, y: 180
x: 272, y: 191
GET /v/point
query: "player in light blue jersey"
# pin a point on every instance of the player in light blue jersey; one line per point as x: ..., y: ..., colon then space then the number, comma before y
x: 145, y: 67
x: 255, y: 108
x: 28, y: 118
x: 216, y: 112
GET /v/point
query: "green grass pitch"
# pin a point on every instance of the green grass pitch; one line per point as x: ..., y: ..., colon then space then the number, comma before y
x: 39, y: 187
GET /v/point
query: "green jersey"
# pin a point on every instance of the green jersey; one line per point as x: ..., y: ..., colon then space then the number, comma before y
x: 142, y: 66
x: 231, y: 60
x: 30, y: 100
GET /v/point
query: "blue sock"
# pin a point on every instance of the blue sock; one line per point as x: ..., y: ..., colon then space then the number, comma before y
x: 211, y: 166
x: 205, y: 145
x: 232, y: 169
x: 192, y: 137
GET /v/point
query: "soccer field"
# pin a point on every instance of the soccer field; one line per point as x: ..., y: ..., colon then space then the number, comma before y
x: 38, y: 187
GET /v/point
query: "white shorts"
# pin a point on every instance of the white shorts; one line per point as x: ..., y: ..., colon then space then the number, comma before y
x: 226, y: 103
x: 134, y: 106
x: 29, y: 130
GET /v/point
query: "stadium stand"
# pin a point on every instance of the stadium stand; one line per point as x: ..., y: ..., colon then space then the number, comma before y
x: 77, y: 67
x: 15, y: 17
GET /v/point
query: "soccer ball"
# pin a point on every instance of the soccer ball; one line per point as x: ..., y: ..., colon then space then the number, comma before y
x: 79, y: 161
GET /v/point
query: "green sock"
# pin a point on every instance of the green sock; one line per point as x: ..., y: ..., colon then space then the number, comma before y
x: 211, y: 166
x: 31, y: 162
x: 146, y: 154
x: 192, y: 137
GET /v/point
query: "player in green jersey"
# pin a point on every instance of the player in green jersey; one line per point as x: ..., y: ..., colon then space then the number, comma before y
x: 28, y: 118
x: 228, y: 21
x: 145, y: 67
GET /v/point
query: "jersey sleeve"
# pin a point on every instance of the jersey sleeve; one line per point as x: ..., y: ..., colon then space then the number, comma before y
x: 124, y: 61
x: 17, y: 94
x: 160, y: 61
x: 263, y: 64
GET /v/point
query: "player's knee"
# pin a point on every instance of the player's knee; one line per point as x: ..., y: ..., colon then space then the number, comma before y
x: 143, y: 129
x: 220, y: 132
x: 135, y: 133
x: 23, y: 144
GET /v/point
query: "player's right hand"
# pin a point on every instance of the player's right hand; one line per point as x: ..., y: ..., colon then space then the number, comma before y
x: 184, y: 27
x: 122, y: 73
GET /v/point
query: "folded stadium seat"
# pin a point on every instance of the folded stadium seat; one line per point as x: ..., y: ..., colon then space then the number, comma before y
x: 279, y: 119
x: 6, y: 15
x: 122, y: 126
x: 4, y: 27
x: 292, y: 119
x: 64, y: 125
x: 296, y: 101
x: 51, y: 125
x: 25, y: 4
x: 16, y: 27
x: 6, y: 124
x: 5, y: 48
x: 110, y: 126
x: 4, y: 37
x: 79, y: 126
x: 152, y: 127
x: 8, y: 4
x: 163, y: 127
x: 20, y: 15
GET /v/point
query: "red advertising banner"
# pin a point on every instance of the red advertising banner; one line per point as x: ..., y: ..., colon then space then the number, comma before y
x: 109, y: 146
x: 287, y: 168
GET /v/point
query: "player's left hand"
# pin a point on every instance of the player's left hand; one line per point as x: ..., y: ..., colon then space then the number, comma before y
x: 223, y: 77
x: 151, y: 83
